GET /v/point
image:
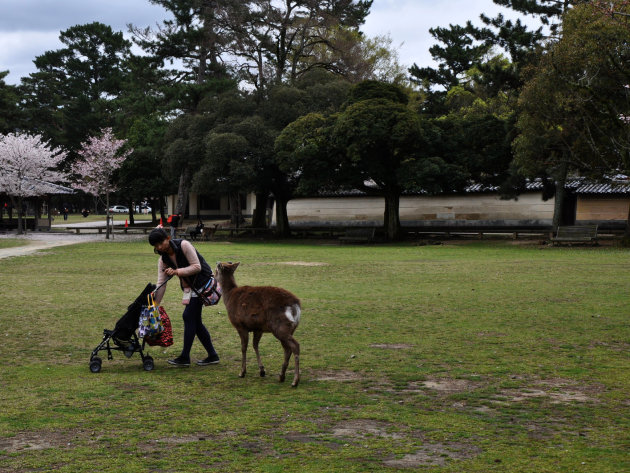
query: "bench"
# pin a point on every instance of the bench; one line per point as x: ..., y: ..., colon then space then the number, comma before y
x: 143, y: 230
x: 117, y: 229
x: 42, y: 224
x: 77, y: 230
x: 190, y: 233
x: 576, y: 234
x: 358, y: 235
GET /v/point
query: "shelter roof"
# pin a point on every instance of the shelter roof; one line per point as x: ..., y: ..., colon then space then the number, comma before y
x: 39, y: 187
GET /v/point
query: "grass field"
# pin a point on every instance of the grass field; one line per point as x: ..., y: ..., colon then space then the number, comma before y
x: 474, y: 357
x: 11, y: 242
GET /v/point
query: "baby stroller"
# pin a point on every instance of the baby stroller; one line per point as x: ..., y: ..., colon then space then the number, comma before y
x: 124, y: 336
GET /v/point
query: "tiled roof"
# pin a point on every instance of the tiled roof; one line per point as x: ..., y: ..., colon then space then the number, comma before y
x: 37, y: 187
x: 609, y: 188
x: 532, y: 186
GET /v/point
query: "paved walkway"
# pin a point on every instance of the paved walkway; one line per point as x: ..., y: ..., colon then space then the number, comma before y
x: 37, y: 241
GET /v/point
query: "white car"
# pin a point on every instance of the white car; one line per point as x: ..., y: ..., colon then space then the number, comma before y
x: 119, y: 209
x: 142, y: 209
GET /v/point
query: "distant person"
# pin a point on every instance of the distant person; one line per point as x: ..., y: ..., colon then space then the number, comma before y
x: 65, y: 213
x: 174, y: 221
x: 197, y: 231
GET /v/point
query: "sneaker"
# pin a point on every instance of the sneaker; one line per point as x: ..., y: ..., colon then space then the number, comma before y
x: 211, y: 360
x: 179, y: 361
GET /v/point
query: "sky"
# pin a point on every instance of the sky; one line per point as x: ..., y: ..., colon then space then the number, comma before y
x: 28, y: 28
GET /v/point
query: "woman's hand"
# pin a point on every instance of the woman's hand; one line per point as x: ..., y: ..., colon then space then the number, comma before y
x: 170, y: 272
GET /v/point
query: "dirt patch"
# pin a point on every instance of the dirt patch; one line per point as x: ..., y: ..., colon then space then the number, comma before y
x: 341, y: 375
x: 362, y: 428
x: 293, y: 263
x: 43, y: 440
x: 491, y: 334
x: 447, y: 386
x: 391, y: 346
x: 303, y: 263
x: 434, y: 454
x: 558, y: 391
x: 429, y: 454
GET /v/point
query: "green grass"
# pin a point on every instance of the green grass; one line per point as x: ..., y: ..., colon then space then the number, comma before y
x: 476, y: 357
x: 11, y: 242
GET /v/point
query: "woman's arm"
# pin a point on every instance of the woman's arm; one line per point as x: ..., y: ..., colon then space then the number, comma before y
x: 194, y: 266
x: 161, y: 279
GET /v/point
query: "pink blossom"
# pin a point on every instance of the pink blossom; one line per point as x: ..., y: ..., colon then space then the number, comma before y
x: 101, y: 156
x: 25, y: 161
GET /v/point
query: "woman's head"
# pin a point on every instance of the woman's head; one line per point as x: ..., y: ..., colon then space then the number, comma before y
x: 159, y: 239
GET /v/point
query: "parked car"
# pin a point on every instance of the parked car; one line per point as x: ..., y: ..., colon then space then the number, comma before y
x: 119, y: 209
x: 142, y: 209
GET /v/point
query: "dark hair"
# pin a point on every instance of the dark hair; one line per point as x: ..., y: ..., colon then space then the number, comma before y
x: 157, y: 235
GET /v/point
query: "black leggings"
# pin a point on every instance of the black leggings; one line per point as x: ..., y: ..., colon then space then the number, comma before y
x: 194, y: 326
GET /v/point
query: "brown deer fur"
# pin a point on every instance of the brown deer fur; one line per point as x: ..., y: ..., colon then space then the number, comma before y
x: 261, y: 309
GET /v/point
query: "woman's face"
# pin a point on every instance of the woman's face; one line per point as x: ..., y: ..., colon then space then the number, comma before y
x: 163, y: 246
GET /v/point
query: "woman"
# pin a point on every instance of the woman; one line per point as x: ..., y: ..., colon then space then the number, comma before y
x: 179, y: 258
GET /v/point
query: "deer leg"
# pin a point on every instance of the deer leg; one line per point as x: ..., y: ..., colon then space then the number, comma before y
x: 295, y: 348
x: 287, y: 355
x: 244, y: 340
x: 257, y: 336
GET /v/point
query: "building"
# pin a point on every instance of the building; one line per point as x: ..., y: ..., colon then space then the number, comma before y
x: 478, y: 206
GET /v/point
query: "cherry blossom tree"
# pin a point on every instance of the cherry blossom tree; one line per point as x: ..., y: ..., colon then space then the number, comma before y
x: 27, y: 161
x: 101, y: 157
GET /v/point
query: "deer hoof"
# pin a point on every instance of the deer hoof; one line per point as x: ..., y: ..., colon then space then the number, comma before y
x: 281, y: 378
x: 262, y: 372
x: 294, y: 384
x: 241, y: 374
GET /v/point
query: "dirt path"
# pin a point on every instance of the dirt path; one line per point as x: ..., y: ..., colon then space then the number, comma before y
x: 32, y: 247
x: 35, y: 242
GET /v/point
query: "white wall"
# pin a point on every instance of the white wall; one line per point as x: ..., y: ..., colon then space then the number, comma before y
x: 422, y: 210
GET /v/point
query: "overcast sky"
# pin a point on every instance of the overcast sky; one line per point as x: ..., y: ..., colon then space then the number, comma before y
x: 28, y: 28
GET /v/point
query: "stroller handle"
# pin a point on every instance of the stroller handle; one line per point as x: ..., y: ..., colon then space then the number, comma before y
x: 167, y: 280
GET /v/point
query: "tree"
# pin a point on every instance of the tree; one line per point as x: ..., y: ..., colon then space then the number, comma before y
x: 26, y: 161
x: 459, y: 54
x: 376, y: 144
x: 140, y: 175
x: 280, y: 40
x: 11, y: 117
x: 101, y: 156
x: 198, y: 35
x: 70, y: 95
x: 575, y: 104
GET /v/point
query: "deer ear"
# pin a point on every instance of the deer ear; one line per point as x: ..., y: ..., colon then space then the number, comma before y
x: 236, y: 264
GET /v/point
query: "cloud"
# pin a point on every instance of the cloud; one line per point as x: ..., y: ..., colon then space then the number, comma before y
x: 58, y: 15
x: 28, y: 28
x: 19, y: 49
x: 408, y: 22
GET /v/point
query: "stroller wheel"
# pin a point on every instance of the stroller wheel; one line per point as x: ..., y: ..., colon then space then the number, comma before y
x: 147, y: 364
x: 95, y: 364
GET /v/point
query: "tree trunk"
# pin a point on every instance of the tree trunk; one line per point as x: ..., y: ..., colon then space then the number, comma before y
x: 20, y: 230
x: 259, y: 218
x: 107, y: 222
x: 282, y: 219
x: 560, y: 183
x: 182, y: 192
x: 236, y: 213
x: 392, y: 217
x: 131, y: 209
x: 625, y: 240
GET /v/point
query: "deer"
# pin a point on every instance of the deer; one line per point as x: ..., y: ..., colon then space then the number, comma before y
x: 261, y: 309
